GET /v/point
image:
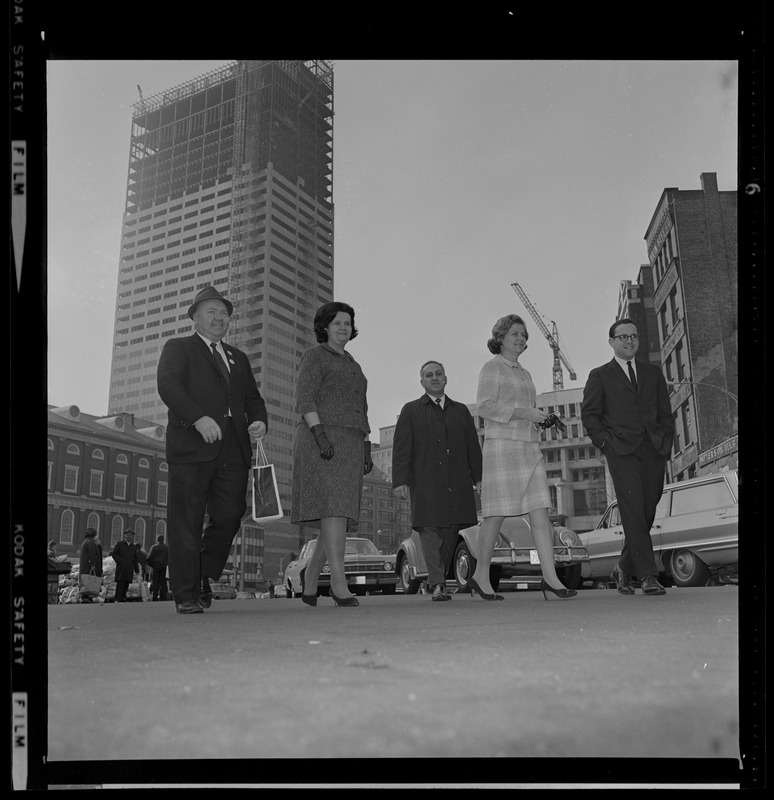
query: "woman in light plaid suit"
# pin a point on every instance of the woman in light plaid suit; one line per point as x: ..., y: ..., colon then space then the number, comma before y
x: 514, y: 479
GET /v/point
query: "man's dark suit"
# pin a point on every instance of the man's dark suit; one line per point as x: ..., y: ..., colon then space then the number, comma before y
x: 635, y: 430
x: 205, y: 477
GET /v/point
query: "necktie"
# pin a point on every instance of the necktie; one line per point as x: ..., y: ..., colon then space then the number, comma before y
x: 219, y: 361
x: 632, y: 376
x: 438, y: 403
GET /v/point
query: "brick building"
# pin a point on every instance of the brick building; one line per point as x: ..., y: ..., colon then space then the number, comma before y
x: 692, y: 251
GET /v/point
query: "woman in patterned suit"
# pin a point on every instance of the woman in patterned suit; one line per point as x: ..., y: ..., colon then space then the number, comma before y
x: 514, y: 478
x: 332, y: 449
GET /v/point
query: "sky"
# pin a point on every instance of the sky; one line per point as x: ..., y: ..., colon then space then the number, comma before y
x: 452, y: 180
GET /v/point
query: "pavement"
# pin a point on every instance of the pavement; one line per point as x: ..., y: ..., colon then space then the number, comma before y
x: 601, y: 676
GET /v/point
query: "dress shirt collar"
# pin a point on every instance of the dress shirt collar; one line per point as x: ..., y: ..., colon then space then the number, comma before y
x: 433, y: 399
x: 622, y: 364
x: 514, y: 364
x: 209, y: 343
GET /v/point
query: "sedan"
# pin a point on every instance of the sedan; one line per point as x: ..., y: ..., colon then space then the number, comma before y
x: 366, y: 568
x: 695, y: 533
x: 514, y: 557
x: 223, y: 591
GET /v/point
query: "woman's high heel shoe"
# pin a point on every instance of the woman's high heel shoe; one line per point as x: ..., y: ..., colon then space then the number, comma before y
x: 344, y: 601
x: 309, y: 599
x: 483, y: 595
x: 563, y: 593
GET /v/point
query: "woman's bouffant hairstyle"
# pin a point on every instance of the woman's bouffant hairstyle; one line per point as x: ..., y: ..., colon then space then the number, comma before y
x: 326, y: 314
x: 501, y: 327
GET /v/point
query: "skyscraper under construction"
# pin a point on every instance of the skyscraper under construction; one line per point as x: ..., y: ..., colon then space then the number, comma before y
x: 230, y: 185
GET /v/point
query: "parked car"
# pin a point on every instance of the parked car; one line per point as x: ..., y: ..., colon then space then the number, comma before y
x: 695, y: 533
x: 514, y: 557
x: 223, y: 591
x: 366, y: 568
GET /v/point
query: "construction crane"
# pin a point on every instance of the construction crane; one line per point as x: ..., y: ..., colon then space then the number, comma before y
x: 553, y: 340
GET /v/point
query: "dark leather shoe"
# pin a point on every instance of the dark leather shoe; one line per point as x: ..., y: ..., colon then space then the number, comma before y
x: 189, y: 607
x: 440, y: 593
x: 650, y: 585
x: 205, y: 594
x: 622, y: 580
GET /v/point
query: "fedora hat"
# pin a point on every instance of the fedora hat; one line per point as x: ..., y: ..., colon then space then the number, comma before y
x: 209, y: 293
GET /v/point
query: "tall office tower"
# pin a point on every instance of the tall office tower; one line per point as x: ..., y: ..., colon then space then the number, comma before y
x: 692, y: 250
x: 230, y: 184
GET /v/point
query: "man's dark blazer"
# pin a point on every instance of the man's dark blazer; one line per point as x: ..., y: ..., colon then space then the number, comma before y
x: 614, y: 415
x: 192, y: 386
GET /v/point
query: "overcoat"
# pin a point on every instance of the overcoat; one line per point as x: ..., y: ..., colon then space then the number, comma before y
x: 436, y: 454
x: 91, y: 557
x: 125, y: 556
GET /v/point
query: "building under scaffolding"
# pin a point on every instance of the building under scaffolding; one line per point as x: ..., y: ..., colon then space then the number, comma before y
x: 229, y: 184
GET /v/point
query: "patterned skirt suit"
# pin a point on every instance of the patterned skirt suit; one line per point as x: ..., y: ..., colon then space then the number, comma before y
x: 333, y: 385
x: 514, y: 478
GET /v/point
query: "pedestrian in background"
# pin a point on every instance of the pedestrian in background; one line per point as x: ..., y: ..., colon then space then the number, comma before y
x: 627, y: 414
x: 124, y: 553
x: 158, y: 558
x: 332, y: 449
x: 91, y: 559
x: 514, y: 477
x: 436, y: 461
x: 52, y: 550
x: 142, y: 560
x: 214, y: 408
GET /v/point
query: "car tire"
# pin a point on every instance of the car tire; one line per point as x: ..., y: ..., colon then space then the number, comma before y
x: 570, y: 576
x: 687, y: 569
x: 408, y: 584
x: 465, y: 565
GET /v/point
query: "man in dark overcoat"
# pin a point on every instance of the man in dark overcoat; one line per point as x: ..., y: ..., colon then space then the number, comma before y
x: 124, y: 553
x: 627, y: 414
x: 436, y: 460
x: 214, y: 408
x: 158, y: 559
x: 90, y: 562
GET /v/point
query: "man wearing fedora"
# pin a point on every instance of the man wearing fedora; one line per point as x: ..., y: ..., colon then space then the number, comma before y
x: 214, y: 407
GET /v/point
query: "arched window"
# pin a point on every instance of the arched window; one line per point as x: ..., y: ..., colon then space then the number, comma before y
x: 161, y: 528
x: 98, y: 454
x: 163, y: 467
x: 116, y: 529
x: 121, y: 459
x: 50, y: 444
x: 66, y: 527
x: 143, y: 462
x: 139, y: 533
x: 93, y: 521
x: 73, y: 449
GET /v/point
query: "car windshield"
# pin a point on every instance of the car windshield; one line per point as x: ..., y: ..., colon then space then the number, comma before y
x: 361, y: 547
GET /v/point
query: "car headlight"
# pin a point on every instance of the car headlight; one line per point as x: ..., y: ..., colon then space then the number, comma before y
x: 326, y: 568
x: 388, y: 566
x: 569, y: 538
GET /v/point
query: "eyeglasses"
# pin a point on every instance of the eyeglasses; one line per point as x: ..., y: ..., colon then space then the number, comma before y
x: 628, y: 337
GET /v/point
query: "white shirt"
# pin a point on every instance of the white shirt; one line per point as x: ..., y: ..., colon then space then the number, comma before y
x: 435, y: 400
x: 623, y: 362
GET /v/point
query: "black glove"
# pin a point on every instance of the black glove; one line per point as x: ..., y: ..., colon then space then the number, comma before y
x: 369, y: 464
x: 321, y: 440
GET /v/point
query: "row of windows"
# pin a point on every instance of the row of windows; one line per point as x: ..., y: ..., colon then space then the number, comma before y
x: 98, y: 455
x: 117, y: 527
x: 96, y: 484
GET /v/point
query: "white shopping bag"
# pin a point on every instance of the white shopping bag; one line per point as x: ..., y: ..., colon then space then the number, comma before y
x: 267, y: 506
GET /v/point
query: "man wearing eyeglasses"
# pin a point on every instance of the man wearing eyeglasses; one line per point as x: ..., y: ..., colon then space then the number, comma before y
x: 627, y: 413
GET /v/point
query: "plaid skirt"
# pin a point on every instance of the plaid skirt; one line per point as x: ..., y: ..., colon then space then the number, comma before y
x: 514, y: 479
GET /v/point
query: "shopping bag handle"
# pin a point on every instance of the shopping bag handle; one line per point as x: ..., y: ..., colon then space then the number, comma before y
x: 260, y: 455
